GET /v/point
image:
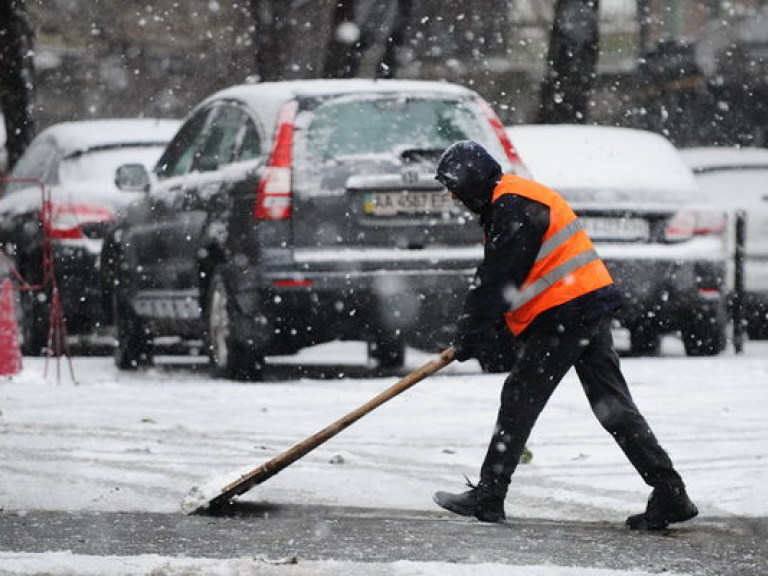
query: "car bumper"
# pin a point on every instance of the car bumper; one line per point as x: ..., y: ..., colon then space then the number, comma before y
x: 321, y: 294
x: 421, y: 306
x: 666, y: 292
x: 77, y: 278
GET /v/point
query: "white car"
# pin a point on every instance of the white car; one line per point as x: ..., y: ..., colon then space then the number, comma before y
x: 76, y: 162
x: 737, y: 179
x: 641, y: 205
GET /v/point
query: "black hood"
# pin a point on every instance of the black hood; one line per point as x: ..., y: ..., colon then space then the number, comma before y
x: 468, y: 171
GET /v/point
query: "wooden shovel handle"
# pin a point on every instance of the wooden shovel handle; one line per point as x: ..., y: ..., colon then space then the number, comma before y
x: 276, y: 464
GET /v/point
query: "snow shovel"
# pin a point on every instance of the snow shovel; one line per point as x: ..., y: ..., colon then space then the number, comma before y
x: 213, y: 497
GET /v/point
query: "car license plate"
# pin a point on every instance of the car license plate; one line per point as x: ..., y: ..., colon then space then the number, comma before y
x: 407, y: 202
x: 624, y: 229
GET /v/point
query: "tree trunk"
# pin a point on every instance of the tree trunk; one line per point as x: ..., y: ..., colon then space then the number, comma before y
x: 643, y: 25
x: 271, y: 38
x: 343, y: 54
x: 16, y: 86
x: 389, y: 64
x: 571, y: 63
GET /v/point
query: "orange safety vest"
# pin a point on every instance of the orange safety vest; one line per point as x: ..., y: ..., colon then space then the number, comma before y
x: 567, y: 265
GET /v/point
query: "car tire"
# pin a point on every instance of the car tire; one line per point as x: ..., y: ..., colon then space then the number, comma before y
x: 705, y: 335
x: 34, y: 322
x: 644, y: 341
x: 757, y: 318
x: 757, y: 331
x: 387, y: 352
x: 230, y: 358
x: 133, y: 347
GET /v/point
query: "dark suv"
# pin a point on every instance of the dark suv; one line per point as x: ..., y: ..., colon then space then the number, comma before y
x: 284, y: 215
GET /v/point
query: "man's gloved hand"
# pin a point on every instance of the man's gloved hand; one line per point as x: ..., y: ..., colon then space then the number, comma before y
x: 467, y: 346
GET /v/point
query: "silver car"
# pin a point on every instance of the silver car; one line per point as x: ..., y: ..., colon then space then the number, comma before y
x: 641, y: 205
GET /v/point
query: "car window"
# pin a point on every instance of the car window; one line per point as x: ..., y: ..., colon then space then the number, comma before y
x: 346, y: 127
x: 178, y: 157
x: 221, y: 137
x: 37, y: 162
x: 250, y: 141
x: 734, y: 187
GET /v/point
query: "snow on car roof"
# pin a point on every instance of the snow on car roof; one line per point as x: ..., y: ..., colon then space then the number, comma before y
x: 710, y: 158
x: 85, y: 134
x: 285, y: 90
x: 268, y: 97
x: 601, y: 157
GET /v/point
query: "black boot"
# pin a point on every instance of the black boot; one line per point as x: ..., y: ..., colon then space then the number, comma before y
x: 476, y: 502
x: 667, y: 504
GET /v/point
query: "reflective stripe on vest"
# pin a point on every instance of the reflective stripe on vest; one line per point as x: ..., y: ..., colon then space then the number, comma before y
x: 559, y: 238
x: 566, y: 266
x: 530, y: 292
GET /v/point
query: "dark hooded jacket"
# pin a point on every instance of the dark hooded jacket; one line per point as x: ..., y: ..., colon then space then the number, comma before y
x: 514, y: 227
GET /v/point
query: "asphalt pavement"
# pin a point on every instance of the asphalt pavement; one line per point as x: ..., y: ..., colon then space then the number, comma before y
x: 731, y: 546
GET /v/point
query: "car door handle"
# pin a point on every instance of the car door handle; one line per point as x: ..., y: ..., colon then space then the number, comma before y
x: 185, y: 199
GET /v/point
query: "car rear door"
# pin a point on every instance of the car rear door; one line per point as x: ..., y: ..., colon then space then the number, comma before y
x: 184, y: 211
x: 158, y: 241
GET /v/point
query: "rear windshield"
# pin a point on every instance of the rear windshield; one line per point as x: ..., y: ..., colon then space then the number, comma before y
x: 354, y: 126
x: 734, y: 186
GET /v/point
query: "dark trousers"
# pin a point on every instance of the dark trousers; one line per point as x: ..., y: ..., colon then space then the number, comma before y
x: 545, y: 357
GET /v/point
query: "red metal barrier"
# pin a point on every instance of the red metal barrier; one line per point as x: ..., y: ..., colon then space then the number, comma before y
x: 57, y: 331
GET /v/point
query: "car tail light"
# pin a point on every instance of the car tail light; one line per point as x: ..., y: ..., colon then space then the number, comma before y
x: 292, y: 283
x: 64, y: 220
x: 710, y: 293
x: 273, y: 197
x: 498, y: 129
x: 694, y: 222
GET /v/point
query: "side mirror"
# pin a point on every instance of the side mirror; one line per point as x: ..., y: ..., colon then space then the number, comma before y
x: 132, y: 178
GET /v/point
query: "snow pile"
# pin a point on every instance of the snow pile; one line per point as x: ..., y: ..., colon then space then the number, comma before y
x: 199, y: 497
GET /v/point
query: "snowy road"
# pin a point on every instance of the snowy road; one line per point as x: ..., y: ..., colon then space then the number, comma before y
x: 121, y: 442
x: 366, y: 536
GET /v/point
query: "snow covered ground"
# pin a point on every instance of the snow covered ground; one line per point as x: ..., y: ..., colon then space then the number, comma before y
x: 138, y: 441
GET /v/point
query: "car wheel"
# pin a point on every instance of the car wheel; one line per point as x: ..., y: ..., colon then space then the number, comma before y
x: 704, y: 335
x: 758, y: 330
x: 133, y: 348
x: 229, y: 357
x: 757, y: 319
x: 388, y: 352
x: 644, y: 341
x: 35, y: 322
